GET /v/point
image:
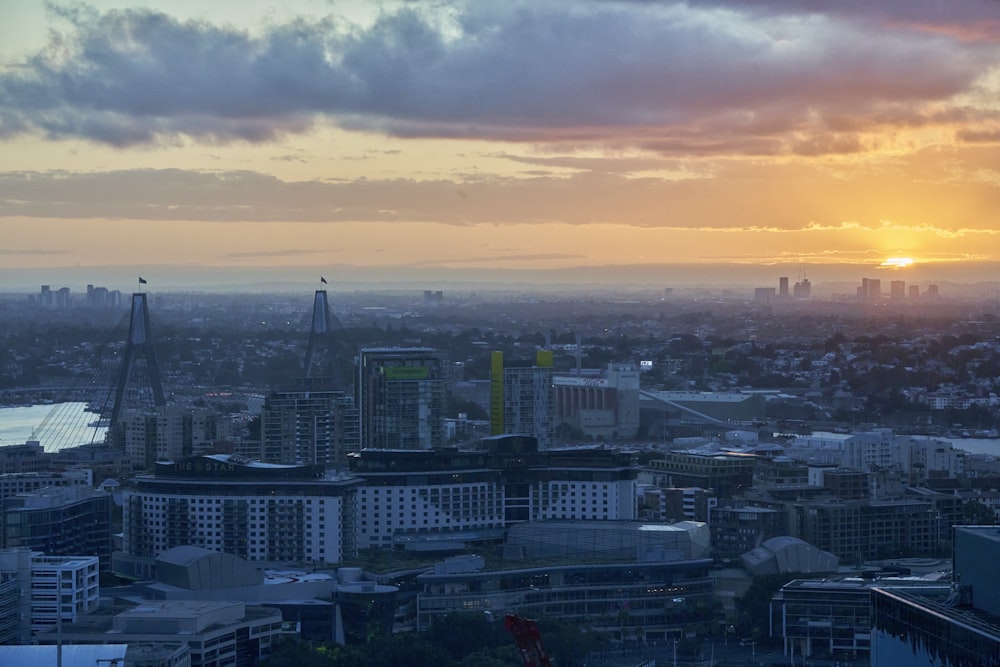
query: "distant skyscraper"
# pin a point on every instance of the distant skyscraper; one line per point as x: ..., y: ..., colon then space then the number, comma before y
x: 401, y: 398
x: 897, y: 290
x: 802, y: 289
x: 527, y: 396
x: 783, y: 287
x: 914, y: 292
x: 932, y: 291
x: 871, y: 289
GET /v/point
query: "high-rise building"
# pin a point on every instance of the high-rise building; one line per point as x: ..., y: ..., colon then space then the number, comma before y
x: 871, y: 290
x: 783, y: 287
x: 897, y: 290
x: 914, y: 292
x: 764, y: 294
x: 802, y: 289
x: 168, y: 432
x: 527, y: 398
x: 401, y: 398
x: 310, y: 423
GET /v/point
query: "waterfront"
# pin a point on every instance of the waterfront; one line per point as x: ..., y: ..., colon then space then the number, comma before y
x: 56, y: 426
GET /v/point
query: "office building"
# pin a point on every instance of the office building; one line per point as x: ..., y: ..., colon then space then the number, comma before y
x: 310, y: 424
x: 401, y: 398
x: 833, y: 616
x: 783, y: 287
x: 258, y: 511
x: 60, y: 521
x: 955, y: 627
x: 47, y: 590
x: 897, y: 290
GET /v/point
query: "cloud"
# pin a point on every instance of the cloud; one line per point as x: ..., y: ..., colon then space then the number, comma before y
x: 500, y: 257
x: 31, y: 251
x: 672, y: 77
x: 736, y: 195
x: 291, y: 252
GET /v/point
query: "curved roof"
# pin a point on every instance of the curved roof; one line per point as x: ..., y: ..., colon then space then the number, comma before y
x: 788, y: 554
x: 195, y: 568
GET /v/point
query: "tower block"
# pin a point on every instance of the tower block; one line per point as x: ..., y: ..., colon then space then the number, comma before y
x: 138, y: 346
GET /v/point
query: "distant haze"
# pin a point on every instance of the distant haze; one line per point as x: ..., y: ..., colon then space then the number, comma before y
x: 826, y: 279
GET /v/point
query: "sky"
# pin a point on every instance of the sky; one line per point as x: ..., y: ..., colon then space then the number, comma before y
x: 484, y: 136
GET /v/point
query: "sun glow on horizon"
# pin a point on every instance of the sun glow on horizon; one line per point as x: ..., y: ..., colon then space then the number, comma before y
x: 897, y: 263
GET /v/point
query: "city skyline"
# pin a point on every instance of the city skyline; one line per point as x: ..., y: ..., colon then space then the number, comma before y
x: 469, y: 137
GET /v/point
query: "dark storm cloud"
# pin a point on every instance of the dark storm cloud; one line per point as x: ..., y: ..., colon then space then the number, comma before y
x: 664, y: 75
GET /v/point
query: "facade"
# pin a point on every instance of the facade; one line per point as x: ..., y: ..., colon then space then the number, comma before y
x: 29, y: 457
x: 605, y: 407
x: 400, y: 398
x: 832, y: 617
x: 14, y: 483
x: 324, y: 606
x: 647, y: 602
x: 451, y: 495
x: 737, y: 530
x: 864, y: 530
x: 526, y: 400
x: 959, y: 627
x: 915, y: 459
x: 676, y: 504
x: 168, y: 433
x: 311, y: 424
x: 43, y: 591
x: 258, y: 511
x: 60, y: 521
x: 780, y: 472
x: 728, y: 473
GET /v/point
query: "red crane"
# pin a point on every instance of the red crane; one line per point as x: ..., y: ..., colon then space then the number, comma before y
x: 529, y: 640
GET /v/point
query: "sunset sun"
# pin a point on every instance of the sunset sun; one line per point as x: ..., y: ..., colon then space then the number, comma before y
x: 897, y: 262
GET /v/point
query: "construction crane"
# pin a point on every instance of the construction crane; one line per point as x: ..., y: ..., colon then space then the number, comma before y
x: 529, y: 640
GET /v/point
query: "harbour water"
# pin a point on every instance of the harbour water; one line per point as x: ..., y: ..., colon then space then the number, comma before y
x: 56, y: 426
x: 989, y: 446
